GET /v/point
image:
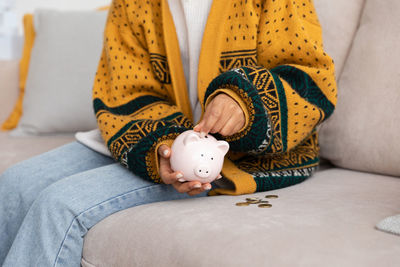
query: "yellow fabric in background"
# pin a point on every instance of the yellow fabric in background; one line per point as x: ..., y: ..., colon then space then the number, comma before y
x: 29, y: 31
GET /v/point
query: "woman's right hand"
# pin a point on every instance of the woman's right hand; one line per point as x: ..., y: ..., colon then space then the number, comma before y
x: 170, y: 177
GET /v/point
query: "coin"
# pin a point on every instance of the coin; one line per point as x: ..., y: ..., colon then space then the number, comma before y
x: 252, y: 198
x: 271, y: 196
x: 264, y: 201
x: 254, y: 201
x: 264, y: 205
x: 242, y: 204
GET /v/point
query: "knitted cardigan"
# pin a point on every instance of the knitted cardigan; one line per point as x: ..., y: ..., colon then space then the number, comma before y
x: 266, y: 54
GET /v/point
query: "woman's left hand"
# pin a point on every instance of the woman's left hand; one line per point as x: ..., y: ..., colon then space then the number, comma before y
x: 223, y: 115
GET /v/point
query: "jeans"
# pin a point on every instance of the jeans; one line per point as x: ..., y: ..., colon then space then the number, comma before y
x: 49, y: 202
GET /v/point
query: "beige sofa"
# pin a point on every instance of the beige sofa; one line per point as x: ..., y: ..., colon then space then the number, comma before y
x: 328, y: 220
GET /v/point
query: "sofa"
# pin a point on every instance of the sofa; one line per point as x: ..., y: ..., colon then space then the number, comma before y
x: 328, y: 220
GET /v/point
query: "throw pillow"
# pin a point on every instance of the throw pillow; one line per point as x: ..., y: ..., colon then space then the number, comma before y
x: 62, y: 67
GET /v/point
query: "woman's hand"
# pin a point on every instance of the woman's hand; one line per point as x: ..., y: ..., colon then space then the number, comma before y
x: 223, y: 115
x: 170, y: 177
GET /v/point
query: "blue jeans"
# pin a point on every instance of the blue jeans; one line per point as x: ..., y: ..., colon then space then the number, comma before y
x: 49, y: 202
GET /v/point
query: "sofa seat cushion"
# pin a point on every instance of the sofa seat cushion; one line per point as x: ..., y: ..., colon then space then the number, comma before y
x: 328, y: 220
x: 16, y: 149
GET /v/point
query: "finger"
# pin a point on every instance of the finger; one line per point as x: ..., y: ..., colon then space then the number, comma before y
x: 231, y: 109
x: 197, y: 128
x: 228, y: 128
x: 236, y: 129
x: 165, y: 167
x: 219, y: 125
x: 170, y: 178
x: 167, y: 174
x: 205, y: 186
x: 164, y: 151
x: 195, y: 191
x: 187, y: 186
x: 211, y: 116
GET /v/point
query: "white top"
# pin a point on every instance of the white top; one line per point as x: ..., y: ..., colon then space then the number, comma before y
x: 187, y: 14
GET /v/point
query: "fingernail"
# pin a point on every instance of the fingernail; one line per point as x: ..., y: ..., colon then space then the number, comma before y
x: 207, y: 187
x: 166, y: 152
x: 202, y: 134
x: 197, y: 186
x: 181, y: 180
x: 179, y: 175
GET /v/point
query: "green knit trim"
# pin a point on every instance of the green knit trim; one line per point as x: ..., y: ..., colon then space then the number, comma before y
x: 261, y: 77
x: 128, y: 108
x: 304, y: 85
x: 258, y: 129
x: 124, y: 129
x: 273, y: 183
x: 283, y: 179
x: 137, y: 154
x: 283, y: 109
x: 121, y: 132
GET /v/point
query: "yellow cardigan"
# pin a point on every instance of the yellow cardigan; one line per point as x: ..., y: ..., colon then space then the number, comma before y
x: 266, y: 54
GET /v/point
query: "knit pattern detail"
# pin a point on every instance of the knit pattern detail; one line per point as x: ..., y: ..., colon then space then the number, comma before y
x: 257, y: 131
x: 268, y: 53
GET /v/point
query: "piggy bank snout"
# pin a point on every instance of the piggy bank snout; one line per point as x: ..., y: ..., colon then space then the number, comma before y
x: 202, y: 171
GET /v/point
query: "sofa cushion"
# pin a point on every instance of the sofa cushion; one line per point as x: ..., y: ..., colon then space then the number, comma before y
x: 364, y: 130
x: 16, y: 149
x: 61, y: 72
x: 327, y: 220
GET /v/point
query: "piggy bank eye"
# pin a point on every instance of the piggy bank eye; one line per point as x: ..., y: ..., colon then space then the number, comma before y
x: 202, y: 155
x: 206, y: 136
x: 212, y: 158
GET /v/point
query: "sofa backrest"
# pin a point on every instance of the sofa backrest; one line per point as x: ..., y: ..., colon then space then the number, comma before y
x: 339, y: 20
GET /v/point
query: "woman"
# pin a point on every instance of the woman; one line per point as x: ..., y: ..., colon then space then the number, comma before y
x: 262, y: 82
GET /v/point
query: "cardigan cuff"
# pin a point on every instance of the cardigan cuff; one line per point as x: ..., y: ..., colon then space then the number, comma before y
x: 235, y: 97
x: 256, y: 135
x: 142, y: 159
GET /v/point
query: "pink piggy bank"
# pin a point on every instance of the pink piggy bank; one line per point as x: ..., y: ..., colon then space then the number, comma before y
x: 198, y: 158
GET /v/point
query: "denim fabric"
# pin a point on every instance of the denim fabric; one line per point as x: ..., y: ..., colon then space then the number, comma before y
x: 49, y: 202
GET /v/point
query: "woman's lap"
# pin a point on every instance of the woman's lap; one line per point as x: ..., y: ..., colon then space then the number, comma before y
x: 31, y: 176
x: 21, y: 183
x: 70, y: 200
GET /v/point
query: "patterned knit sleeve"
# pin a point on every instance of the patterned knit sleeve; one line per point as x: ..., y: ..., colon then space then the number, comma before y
x: 134, y: 112
x: 292, y: 88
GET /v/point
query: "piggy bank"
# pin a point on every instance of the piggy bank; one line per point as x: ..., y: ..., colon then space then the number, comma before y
x: 199, y: 158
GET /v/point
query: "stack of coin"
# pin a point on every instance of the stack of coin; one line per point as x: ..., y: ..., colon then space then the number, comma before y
x: 257, y: 200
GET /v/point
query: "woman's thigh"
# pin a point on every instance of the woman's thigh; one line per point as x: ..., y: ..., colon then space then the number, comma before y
x: 68, y: 208
x: 96, y: 193
x: 21, y: 183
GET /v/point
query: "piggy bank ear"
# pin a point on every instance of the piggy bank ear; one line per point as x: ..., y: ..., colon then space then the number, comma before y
x: 223, y: 146
x: 191, y: 138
